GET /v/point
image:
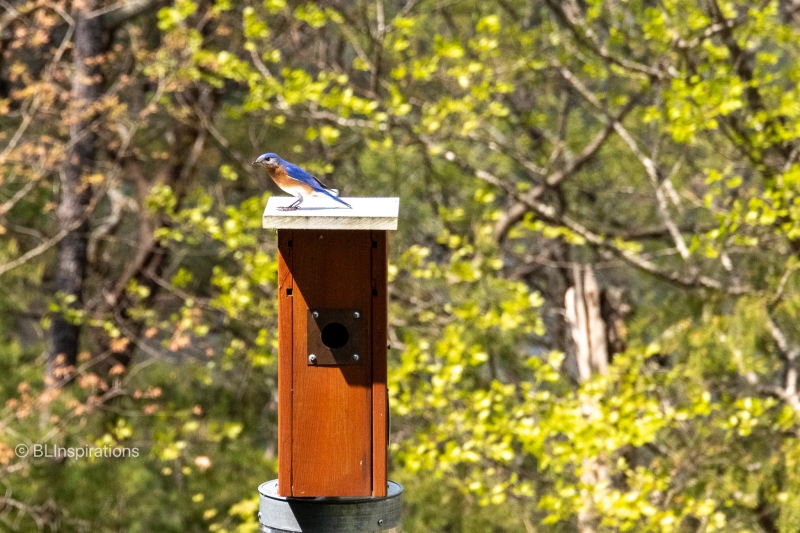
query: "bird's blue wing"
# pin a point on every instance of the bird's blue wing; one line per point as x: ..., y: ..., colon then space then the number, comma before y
x: 299, y: 174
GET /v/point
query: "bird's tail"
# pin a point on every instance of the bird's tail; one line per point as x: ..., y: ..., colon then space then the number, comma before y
x: 331, y: 193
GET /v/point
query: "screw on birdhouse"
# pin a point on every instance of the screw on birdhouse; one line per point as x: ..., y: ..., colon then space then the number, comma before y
x: 357, y: 314
x: 355, y: 357
x: 315, y: 314
x: 380, y: 521
x: 312, y: 359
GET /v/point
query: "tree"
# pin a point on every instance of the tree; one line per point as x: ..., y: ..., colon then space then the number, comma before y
x: 76, y: 189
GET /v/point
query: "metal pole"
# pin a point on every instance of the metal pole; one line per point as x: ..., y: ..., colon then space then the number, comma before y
x: 278, y: 514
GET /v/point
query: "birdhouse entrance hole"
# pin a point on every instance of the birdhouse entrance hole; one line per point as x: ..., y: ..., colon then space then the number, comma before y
x: 334, y: 335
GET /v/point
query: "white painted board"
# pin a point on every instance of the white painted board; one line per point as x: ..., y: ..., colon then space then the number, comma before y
x: 324, y: 213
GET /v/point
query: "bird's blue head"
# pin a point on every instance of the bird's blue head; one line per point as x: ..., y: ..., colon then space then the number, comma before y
x: 269, y: 160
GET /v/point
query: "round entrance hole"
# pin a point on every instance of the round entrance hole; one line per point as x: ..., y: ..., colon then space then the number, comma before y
x: 335, y: 335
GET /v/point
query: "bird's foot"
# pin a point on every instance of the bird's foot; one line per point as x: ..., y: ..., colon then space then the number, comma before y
x: 288, y: 208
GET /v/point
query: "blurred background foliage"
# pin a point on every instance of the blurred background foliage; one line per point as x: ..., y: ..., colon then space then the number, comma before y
x: 592, y: 288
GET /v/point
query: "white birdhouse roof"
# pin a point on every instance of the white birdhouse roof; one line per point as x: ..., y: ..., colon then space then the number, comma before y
x: 366, y: 214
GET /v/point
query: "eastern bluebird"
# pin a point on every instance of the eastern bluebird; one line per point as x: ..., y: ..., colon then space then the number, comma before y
x: 295, y: 181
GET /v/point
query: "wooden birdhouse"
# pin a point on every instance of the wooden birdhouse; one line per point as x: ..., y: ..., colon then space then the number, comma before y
x: 333, y: 415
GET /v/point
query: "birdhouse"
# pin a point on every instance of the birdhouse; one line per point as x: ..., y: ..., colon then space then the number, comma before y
x: 333, y: 417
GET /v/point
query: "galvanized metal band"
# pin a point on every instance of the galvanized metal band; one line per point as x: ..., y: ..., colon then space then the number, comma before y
x: 278, y: 514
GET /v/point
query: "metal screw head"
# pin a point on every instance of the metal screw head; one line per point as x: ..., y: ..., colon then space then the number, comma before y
x: 315, y: 314
x: 312, y: 359
x: 357, y: 314
x: 380, y: 521
x: 355, y: 357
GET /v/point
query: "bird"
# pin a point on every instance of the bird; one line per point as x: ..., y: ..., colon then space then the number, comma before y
x: 296, y: 181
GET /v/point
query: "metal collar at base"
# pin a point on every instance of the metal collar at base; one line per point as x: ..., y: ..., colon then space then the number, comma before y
x: 278, y: 514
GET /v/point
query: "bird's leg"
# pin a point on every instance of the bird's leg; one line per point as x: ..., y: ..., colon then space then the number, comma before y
x: 292, y: 207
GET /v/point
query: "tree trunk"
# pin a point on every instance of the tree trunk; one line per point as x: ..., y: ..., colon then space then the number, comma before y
x: 588, y: 329
x: 76, y: 191
x: 582, y: 304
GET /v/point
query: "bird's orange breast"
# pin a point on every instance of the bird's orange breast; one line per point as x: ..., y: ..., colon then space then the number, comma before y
x: 287, y: 183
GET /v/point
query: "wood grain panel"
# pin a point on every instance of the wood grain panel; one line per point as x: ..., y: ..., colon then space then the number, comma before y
x: 331, y: 416
x: 285, y: 334
x: 380, y: 398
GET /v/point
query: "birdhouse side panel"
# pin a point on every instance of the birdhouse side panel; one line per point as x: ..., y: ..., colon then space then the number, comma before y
x: 285, y: 336
x: 380, y: 398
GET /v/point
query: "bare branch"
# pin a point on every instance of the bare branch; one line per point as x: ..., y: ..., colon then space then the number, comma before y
x: 649, y: 165
x: 118, y: 200
x: 788, y: 351
x: 117, y: 14
x: 516, y: 212
x: 781, y: 286
x: 30, y: 111
x: 563, y: 122
x: 19, y: 195
x: 586, y: 36
x: 712, y: 30
x: 550, y: 214
x: 42, y: 248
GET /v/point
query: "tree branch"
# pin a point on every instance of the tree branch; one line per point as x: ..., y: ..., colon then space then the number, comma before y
x: 586, y: 36
x: 649, y: 165
x: 117, y: 14
x: 549, y: 214
x: 516, y: 212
